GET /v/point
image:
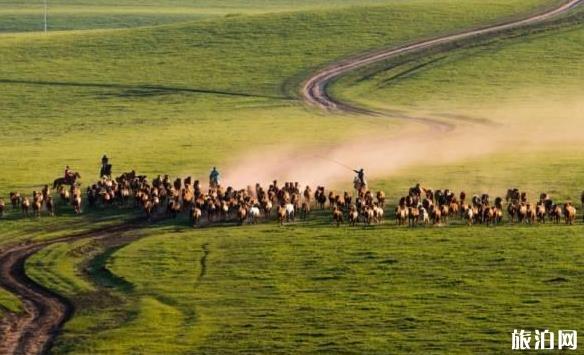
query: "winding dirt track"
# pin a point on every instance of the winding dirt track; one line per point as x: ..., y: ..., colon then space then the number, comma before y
x: 314, y: 91
x: 45, y: 312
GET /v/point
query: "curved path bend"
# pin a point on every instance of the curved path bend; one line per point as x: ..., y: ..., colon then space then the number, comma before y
x: 45, y: 312
x: 314, y: 91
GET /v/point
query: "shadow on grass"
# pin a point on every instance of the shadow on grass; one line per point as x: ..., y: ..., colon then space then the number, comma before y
x: 141, y: 90
x: 102, y: 276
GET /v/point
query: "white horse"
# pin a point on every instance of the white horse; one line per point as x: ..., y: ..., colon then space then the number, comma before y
x: 254, y: 214
x: 290, y: 213
x: 425, y: 215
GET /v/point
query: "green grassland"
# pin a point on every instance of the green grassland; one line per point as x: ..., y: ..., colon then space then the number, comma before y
x: 518, y: 70
x: 181, y: 97
x: 28, y: 16
x: 153, y: 97
x: 316, y: 288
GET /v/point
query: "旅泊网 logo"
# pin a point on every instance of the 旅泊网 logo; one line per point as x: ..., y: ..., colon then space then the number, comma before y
x: 544, y: 340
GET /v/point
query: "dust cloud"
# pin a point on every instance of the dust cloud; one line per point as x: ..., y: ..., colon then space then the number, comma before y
x: 513, y: 128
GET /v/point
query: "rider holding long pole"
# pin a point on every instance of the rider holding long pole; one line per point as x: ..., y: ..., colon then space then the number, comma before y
x: 361, y: 175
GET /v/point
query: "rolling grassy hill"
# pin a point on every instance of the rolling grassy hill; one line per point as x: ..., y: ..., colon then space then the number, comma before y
x: 171, y: 90
x: 517, y: 71
x: 28, y: 16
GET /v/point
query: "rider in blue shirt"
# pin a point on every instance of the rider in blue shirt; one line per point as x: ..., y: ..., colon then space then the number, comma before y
x: 214, y: 176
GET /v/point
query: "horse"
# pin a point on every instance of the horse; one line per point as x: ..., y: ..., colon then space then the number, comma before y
x: 290, y: 212
x: 241, y: 214
x: 469, y: 216
x: 254, y: 214
x: 401, y: 215
x: 337, y: 216
x: 70, y: 180
x: 436, y: 215
x: 50, y: 204
x: 378, y: 214
x: 281, y: 214
x: 569, y: 213
x: 76, y: 203
x: 413, y: 216
x: 15, y: 199
x: 106, y: 170
x: 196, y: 214
x: 305, y: 210
x: 353, y: 215
x: 381, y: 198
x: 25, y: 205
x: 540, y: 212
x: 358, y: 185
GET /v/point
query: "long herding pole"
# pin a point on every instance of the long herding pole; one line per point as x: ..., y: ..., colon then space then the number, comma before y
x: 46, y: 15
x: 335, y: 161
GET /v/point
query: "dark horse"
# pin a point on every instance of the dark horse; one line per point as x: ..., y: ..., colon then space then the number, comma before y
x: 70, y: 180
x: 106, y: 170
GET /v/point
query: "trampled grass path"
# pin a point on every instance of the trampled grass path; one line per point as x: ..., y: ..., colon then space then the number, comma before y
x: 45, y: 312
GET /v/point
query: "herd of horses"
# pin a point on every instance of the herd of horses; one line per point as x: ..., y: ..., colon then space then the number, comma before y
x: 437, y: 207
x: 288, y: 202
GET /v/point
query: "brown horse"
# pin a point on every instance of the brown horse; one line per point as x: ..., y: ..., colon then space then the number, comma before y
x: 76, y: 203
x: 305, y: 210
x: 401, y: 215
x: 50, y: 204
x: 569, y: 213
x: 381, y: 198
x: 337, y: 216
x: 37, y: 204
x: 25, y: 205
x: 15, y: 199
x: 413, y: 216
x: 540, y: 212
x: 353, y: 215
x: 70, y: 180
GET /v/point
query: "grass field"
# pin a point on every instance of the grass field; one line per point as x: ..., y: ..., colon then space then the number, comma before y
x: 179, y: 86
x: 79, y: 15
x: 74, y: 87
x: 516, y: 71
x: 315, y: 288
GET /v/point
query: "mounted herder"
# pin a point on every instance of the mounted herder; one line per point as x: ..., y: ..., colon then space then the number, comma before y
x: 214, y: 178
x: 70, y: 178
x: 106, y: 167
x: 359, y: 181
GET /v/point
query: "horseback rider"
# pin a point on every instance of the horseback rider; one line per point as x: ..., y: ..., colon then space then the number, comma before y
x: 105, y: 167
x: 67, y: 173
x: 214, y: 177
x: 361, y: 176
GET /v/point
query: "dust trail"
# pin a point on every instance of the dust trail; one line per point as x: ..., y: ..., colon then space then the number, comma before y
x: 526, y: 127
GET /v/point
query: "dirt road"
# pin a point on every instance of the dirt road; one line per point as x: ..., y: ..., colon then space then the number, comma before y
x: 45, y: 312
x: 314, y: 91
